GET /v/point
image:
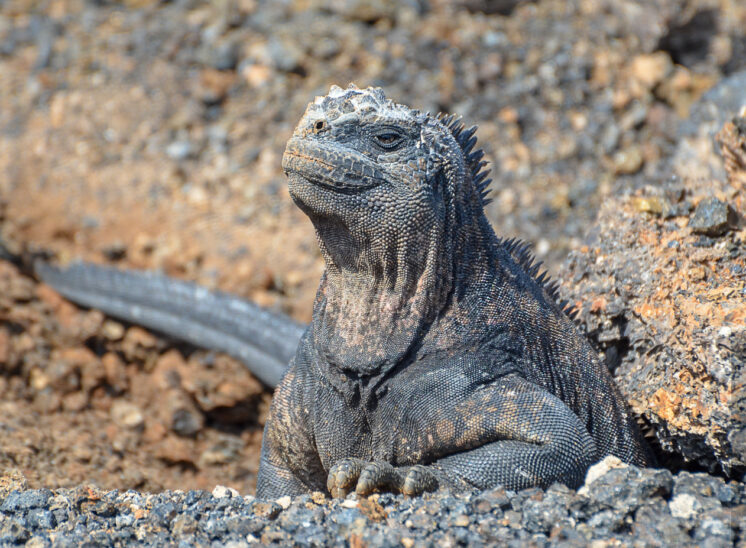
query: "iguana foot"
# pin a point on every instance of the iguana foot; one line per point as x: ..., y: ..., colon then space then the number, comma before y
x: 369, y: 477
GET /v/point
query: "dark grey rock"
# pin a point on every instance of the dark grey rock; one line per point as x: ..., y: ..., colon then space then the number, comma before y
x: 163, y: 514
x: 13, y: 531
x: 104, y: 509
x: 626, y: 488
x: 25, y: 500
x: 713, y: 217
x: 540, y: 515
x: 654, y: 526
x: 38, y: 518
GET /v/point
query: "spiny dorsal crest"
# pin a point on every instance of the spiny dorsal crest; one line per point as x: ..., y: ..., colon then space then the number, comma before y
x: 519, y: 250
x: 521, y: 253
x: 467, y: 140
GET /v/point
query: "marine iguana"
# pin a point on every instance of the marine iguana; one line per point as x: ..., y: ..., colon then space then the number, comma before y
x: 437, y: 354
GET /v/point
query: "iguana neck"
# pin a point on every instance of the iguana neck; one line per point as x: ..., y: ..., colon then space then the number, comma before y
x: 376, y: 303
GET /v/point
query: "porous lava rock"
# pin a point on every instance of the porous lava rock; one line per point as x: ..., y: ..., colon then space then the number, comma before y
x: 665, y: 298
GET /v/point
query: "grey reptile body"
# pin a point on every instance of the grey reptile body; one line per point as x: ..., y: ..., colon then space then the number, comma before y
x: 437, y: 354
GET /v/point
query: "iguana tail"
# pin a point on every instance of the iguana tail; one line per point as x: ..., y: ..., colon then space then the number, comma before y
x: 263, y: 340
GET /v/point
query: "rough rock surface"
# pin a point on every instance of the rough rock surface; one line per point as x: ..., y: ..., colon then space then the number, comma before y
x: 622, y: 506
x: 661, y: 286
x: 87, y: 399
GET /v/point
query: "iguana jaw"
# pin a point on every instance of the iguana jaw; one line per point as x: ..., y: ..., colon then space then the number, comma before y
x: 328, y: 166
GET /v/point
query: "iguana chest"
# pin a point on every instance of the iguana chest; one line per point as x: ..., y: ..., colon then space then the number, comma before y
x: 419, y: 415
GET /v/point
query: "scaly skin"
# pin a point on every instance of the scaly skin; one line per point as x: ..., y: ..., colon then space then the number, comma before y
x: 436, y: 357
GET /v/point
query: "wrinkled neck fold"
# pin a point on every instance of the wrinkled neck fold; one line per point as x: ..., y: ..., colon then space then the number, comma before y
x: 376, y: 300
x: 376, y: 303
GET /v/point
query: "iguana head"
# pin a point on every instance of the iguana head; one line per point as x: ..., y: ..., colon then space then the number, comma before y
x: 380, y: 172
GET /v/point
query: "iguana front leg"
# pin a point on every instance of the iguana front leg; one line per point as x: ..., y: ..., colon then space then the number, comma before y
x: 289, y: 463
x: 511, y: 433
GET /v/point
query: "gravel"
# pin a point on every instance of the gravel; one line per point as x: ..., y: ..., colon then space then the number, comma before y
x: 620, y: 504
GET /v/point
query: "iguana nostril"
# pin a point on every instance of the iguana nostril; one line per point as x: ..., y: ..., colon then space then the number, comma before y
x: 320, y: 125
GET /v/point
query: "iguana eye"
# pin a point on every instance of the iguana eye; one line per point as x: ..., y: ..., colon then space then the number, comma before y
x: 388, y: 140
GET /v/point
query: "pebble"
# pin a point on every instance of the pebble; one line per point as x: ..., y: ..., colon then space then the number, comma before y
x: 180, y: 150
x: 126, y: 414
x: 712, y: 217
x: 221, y: 491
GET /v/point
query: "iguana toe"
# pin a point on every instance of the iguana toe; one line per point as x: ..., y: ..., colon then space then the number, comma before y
x: 418, y: 479
x: 343, y: 476
x: 378, y: 476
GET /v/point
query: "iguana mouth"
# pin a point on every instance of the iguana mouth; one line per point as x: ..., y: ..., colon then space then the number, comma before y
x: 353, y: 175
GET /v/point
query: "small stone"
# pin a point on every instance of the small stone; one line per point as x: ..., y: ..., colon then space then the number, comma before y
x: 710, y: 529
x: 180, y: 150
x: 115, y: 372
x: 284, y: 502
x: 126, y: 414
x: 21, y: 501
x: 256, y: 75
x: 182, y: 414
x: 628, y: 161
x: 115, y: 251
x: 265, y: 509
x: 713, y: 217
x: 218, y: 454
x: 41, y: 519
x: 223, y: 56
x: 683, y: 506
x: 349, y: 503
x: 651, y: 204
x: 173, y: 449
x: 462, y: 520
x: 163, y: 514
x: 599, y: 469
x: 492, y: 499
x: 318, y: 497
x: 13, y: 532
x: 221, y: 491
x: 113, y: 331
x: 372, y: 509
x: 37, y: 542
x: 104, y: 509
x: 215, y: 528
x: 184, y: 525
x: 124, y: 520
x: 651, y: 69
